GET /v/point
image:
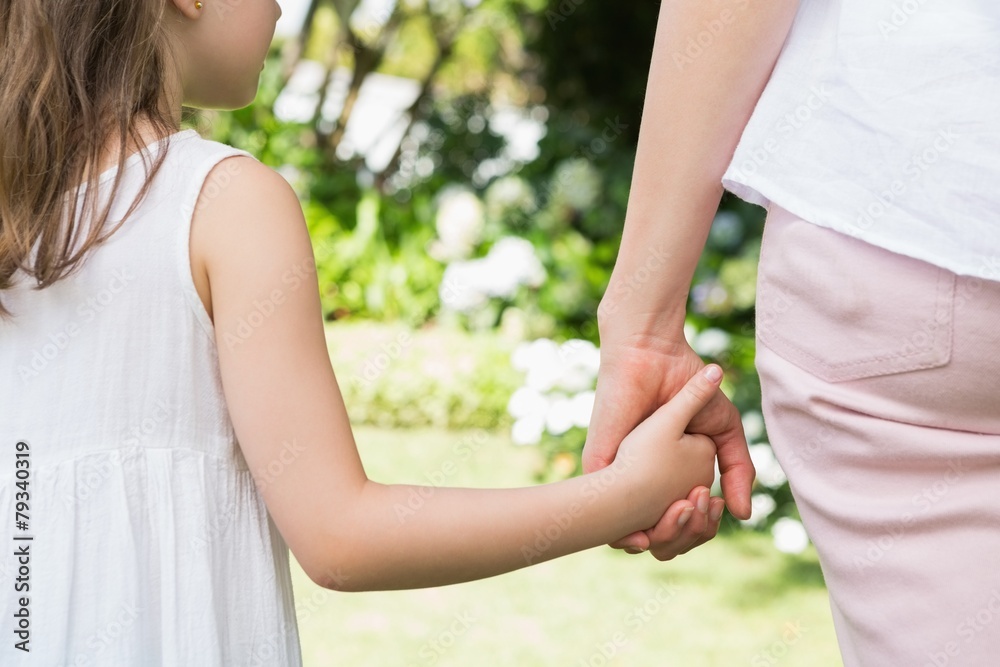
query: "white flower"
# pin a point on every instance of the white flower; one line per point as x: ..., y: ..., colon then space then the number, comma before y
x: 527, y: 402
x: 582, y: 407
x: 711, y: 342
x: 515, y: 258
x: 540, y: 360
x: 769, y: 472
x: 528, y: 430
x: 789, y: 536
x: 582, y: 354
x: 581, y: 360
x: 459, y: 289
x: 527, y: 353
x: 568, y: 371
x: 459, y: 224
x: 510, y: 263
x: 761, y: 506
x: 753, y: 424
x: 560, y: 416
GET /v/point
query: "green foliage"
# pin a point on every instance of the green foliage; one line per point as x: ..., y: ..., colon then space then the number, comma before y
x: 394, y: 376
x: 580, y: 68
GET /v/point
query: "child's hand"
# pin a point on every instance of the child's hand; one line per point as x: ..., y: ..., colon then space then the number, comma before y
x: 661, y: 462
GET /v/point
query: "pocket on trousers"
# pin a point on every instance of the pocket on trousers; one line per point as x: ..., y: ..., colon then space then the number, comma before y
x: 843, y: 309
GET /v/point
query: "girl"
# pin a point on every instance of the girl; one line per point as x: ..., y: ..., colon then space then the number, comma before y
x: 170, y: 420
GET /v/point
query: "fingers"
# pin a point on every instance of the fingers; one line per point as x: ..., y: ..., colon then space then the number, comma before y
x: 735, y: 468
x: 670, y: 526
x: 692, y: 397
x: 670, y: 537
x: 637, y: 542
x: 668, y: 540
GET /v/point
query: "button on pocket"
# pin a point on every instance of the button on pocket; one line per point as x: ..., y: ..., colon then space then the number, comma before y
x: 843, y: 309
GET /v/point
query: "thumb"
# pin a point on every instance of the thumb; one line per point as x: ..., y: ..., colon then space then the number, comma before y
x: 692, y: 397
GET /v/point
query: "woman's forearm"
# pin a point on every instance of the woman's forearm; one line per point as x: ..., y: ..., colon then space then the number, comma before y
x: 711, y: 60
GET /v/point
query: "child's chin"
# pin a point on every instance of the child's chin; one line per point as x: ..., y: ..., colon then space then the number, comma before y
x: 235, y: 102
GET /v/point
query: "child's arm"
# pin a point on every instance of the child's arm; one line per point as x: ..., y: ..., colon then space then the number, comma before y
x: 350, y: 533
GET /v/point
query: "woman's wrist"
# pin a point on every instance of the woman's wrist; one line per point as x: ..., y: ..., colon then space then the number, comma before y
x: 645, y: 296
x: 623, y: 324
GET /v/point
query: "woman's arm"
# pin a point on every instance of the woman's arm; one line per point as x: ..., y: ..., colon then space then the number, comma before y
x: 350, y: 533
x: 711, y: 61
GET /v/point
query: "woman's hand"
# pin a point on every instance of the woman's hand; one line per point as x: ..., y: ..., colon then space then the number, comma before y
x: 637, y: 376
x: 661, y: 459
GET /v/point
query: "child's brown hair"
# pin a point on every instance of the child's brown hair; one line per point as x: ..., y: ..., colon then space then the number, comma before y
x: 74, y: 76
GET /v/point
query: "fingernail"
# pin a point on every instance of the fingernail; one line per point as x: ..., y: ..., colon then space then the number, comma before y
x: 634, y: 550
x: 717, y: 512
x: 685, y: 515
x: 713, y: 373
x: 703, y: 502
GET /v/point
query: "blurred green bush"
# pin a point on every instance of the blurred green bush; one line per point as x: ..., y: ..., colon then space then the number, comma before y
x: 394, y: 376
x: 454, y: 236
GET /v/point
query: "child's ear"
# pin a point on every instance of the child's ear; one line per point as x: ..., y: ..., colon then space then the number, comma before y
x: 191, y: 9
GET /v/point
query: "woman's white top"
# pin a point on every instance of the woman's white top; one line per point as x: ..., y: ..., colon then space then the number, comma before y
x: 881, y: 120
x: 145, y: 541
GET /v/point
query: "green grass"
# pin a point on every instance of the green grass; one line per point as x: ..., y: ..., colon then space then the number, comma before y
x: 732, y: 601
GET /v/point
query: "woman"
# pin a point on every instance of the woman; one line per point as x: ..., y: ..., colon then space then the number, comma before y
x: 868, y: 129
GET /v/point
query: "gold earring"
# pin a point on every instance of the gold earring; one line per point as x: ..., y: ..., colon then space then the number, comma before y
x: 198, y: 5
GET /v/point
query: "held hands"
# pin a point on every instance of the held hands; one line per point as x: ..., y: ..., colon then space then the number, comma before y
x: 663, y: 462
x: 637, y: 376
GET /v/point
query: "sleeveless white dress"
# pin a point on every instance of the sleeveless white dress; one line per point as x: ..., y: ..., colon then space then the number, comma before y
x: 141, y: 536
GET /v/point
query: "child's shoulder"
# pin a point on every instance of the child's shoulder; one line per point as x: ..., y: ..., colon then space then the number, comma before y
x: 189, y: 147
x: 229, y: 178
x: 223, y: 172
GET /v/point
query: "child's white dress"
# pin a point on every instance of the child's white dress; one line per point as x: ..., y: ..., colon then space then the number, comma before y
x: 149, y: 542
